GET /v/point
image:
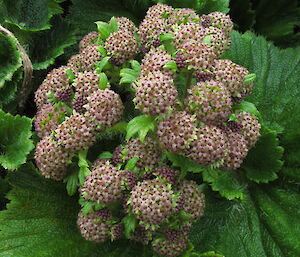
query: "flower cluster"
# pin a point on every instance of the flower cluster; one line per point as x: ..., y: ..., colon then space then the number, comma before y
x: 193, y: 99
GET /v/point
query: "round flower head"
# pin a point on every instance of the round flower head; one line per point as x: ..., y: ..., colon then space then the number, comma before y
x: 167, y: 174
x: 232, y: 75
x: 95, y: 226
x: 149, y: 32
x: 89, y: 39
x: 78, y: 102
x: 183, y: 15
x: 155, y: 94
x: 103, y: 185
x: 237, y: 150
x: 217, y: 40
x: 219, y: 20
x: 158, y: 11
x: 209, y: 147
x: 48, y: 118
x: 249, y: 128
x: 173, y: 243
x: 187, y: 32
x: 104, y: 108
x: 194, y: 199
x: 75, y: 133
x: 64, y: 95
x: 197, y: 55
x: 154, y: 61
x: 86, y: 83
x: 55, y: 81
x: 210, y: 101
x: 51, y: 159
x: 141, y: 235
x: 152, y: 201
x: 147, y: 151
x: 177, y: 132
x: 126, y: 24
x: 86, y: 60
x: 202, y: 76
x: 121, y: 45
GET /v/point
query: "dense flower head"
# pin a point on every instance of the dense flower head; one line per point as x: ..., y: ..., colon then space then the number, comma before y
x: 64, y: 95
x: 250, y: 128
x: 202, y: 76
x: 219, y: 20
x: 86, y: 60
x: 147, y: 151
x: 236, y: 151
x: 121, y: 45
x: 55, y: 81
x: 173, y: 243
x: 126, y: 24
x: 158, y: 10
x: 75, y: 133
x: 218, y: 40
x: 117, y: 158
x: 177, y: 132
x: 197, y: 55
x: 154, y: 61
x: 104, y: 108
x: 210, y: 101
x: 51, y: 159
x: 155, y: 94
x: 89, y: 39
x: 232, y: 75
x: 95, y: 226
x: 141, y: 235
x: 152, y: 201
x: 183, y: 16
x: 210, y: 146
x: 78, y: 102
x: 187, y: 32
x: 167, y: 174
x: 103, y: 185
x: 48, y: 118
x: 86, y: 83
x: 194, y: 199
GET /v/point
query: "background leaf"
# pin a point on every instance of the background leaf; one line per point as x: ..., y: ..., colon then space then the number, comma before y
x: 15, y: 142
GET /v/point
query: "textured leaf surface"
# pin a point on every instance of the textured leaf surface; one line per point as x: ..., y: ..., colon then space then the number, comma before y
x: 264, y: 160
x: 41, y: 221
x: 10, y: 58
x: 30, y: 15
x: 265, y: 224
x: 276, y: 91
x: 15, y: 142
x: 225, y: 182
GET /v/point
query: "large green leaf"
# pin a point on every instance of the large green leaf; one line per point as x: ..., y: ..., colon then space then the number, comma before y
x: 15, y: 142
x: 29, y: 15
x: 40, y: 221
x: 276, y: 91
x: 10, y: 58
x: 265, y: 224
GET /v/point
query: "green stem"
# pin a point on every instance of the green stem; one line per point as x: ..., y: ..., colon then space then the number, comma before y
x: 188, y: 83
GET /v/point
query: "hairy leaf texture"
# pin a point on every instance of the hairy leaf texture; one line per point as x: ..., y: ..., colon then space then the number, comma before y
x: 15, y: 142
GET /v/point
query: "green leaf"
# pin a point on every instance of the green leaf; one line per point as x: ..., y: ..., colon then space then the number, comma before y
x: 104, y: 29
x: 140, y: 125
x: 225, y: 182
x: 55, y: 40
x: 130, y: 165
x: 15, y: 142
x: 276, y: 90
x: 245, y: 106
x: 135, y: 65
x: 208, y: 6
x: 30, y: 15
x: 130, y: 223
x: 10, y: 58
x: 172, y: 66
x: 113, y: 24
x: 72, y: 183
x: 103, y: 80
x: 40, y: 220
x: 264, y: 224
x: 105, y: 155
x: 263, y: 162
x: 130, y: 75
x: 184, y: 163
x: 166, y: 37
x: 104, y: 63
